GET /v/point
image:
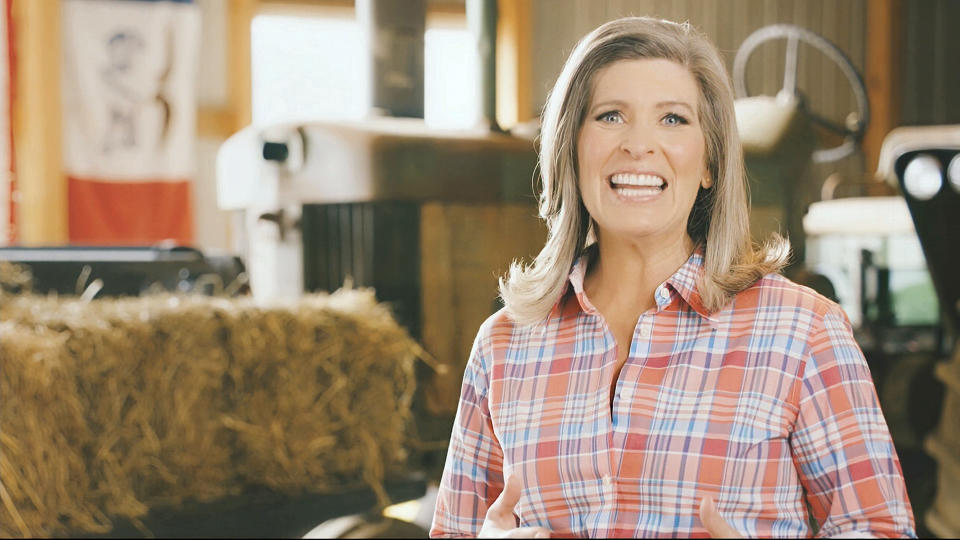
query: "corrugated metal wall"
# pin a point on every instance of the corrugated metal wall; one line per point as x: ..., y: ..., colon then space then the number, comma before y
x: 558, y: 24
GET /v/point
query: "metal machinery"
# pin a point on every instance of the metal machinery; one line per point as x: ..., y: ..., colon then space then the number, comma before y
x: 328, y: 201
x: 779, y: 132
x: 128, y: 271
x: 924, y: 163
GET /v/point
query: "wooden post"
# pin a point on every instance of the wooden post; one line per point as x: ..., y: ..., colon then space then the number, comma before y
x: 514, y: 62
x: 240, y: 14
x: 883, y: 74
x: 37, y: 125
x: 216, y: 122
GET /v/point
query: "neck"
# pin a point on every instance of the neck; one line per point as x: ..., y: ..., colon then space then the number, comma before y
x: 627, y: 271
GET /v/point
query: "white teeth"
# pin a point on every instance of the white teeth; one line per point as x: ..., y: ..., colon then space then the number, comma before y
x: 645, y: 180
x: 637, y: 192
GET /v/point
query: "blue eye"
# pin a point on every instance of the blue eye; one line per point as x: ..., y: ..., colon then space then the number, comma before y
x: 673, y: 119
x: 613, y: 117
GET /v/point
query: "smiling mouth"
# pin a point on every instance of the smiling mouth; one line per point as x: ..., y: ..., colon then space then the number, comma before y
x: 637, y: 185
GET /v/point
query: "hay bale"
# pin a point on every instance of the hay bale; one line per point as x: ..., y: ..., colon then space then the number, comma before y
x: 113, y: 406
x: 42, y: 465
x: 14, y: 278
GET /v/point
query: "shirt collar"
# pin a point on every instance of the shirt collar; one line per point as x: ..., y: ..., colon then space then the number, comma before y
x: 682, y: 283
x: 685, y: 283
x: 576, y: 277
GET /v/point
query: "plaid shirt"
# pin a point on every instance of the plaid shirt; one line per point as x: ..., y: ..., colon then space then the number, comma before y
x: 766, y: 405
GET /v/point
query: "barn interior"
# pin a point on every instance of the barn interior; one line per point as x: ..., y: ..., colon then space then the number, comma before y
x: 245, y: 245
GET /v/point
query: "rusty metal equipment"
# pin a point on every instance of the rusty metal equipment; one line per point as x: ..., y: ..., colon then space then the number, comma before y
x: 924, y: 163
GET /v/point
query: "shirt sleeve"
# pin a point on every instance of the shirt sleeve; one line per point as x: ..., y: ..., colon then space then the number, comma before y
x: 841, y: 445
x: 473, y: 473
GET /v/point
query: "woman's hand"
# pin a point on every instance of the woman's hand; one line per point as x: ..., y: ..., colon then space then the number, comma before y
x: 714, y: 522
x: 501, y: 522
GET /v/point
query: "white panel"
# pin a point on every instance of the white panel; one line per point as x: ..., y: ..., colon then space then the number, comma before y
x: 308, y: 68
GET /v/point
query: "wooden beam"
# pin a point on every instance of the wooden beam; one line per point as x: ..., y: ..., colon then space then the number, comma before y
x: 215, y: 122
x: 447, y: 7
x: 310, y: 3
x: 37, y: 125
x: 240, y: 14
x: 883, y: 74
x: 514, y: 62
x: 307, y: 8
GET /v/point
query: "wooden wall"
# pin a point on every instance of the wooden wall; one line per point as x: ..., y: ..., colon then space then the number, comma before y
x: 558, y: 24
x: 931, y: 79
x: 464, y: 249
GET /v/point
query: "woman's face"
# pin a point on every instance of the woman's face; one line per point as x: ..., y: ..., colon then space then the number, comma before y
x: 641, y: 151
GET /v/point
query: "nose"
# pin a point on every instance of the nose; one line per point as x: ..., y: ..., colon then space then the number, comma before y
x: 638, y: 140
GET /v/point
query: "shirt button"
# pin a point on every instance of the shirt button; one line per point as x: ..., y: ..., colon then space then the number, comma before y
x: 645, y: 330
x: 662, y: 293
x: 607, y: 480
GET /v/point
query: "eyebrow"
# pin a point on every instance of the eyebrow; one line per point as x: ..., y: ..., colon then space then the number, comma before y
x: 664, y: 104
x: 660, y: 105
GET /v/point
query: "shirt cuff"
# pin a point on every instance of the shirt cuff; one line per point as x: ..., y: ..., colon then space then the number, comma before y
x: 854, y: 534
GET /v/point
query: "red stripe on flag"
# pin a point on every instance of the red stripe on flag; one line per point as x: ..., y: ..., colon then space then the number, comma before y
x: 129, y: 213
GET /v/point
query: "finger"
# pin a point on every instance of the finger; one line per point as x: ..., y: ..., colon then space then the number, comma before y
x: 528, y: 532
x: 500, y: 518
x: 714, y: 522
x: 501, y: 511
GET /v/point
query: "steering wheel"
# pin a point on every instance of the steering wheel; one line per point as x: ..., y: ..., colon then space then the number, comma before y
x: 855, y: 123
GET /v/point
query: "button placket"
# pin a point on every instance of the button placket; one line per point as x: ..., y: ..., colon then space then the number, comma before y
x: 645, y: 329
x: 642, y: 336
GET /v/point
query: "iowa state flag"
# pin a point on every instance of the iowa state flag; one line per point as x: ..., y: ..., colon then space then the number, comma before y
x: 129, y: 120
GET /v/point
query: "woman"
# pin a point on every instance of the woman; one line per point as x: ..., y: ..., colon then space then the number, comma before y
x: 651, y: 374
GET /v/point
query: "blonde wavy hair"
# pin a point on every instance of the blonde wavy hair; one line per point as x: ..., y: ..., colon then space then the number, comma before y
x: 719, y: 220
